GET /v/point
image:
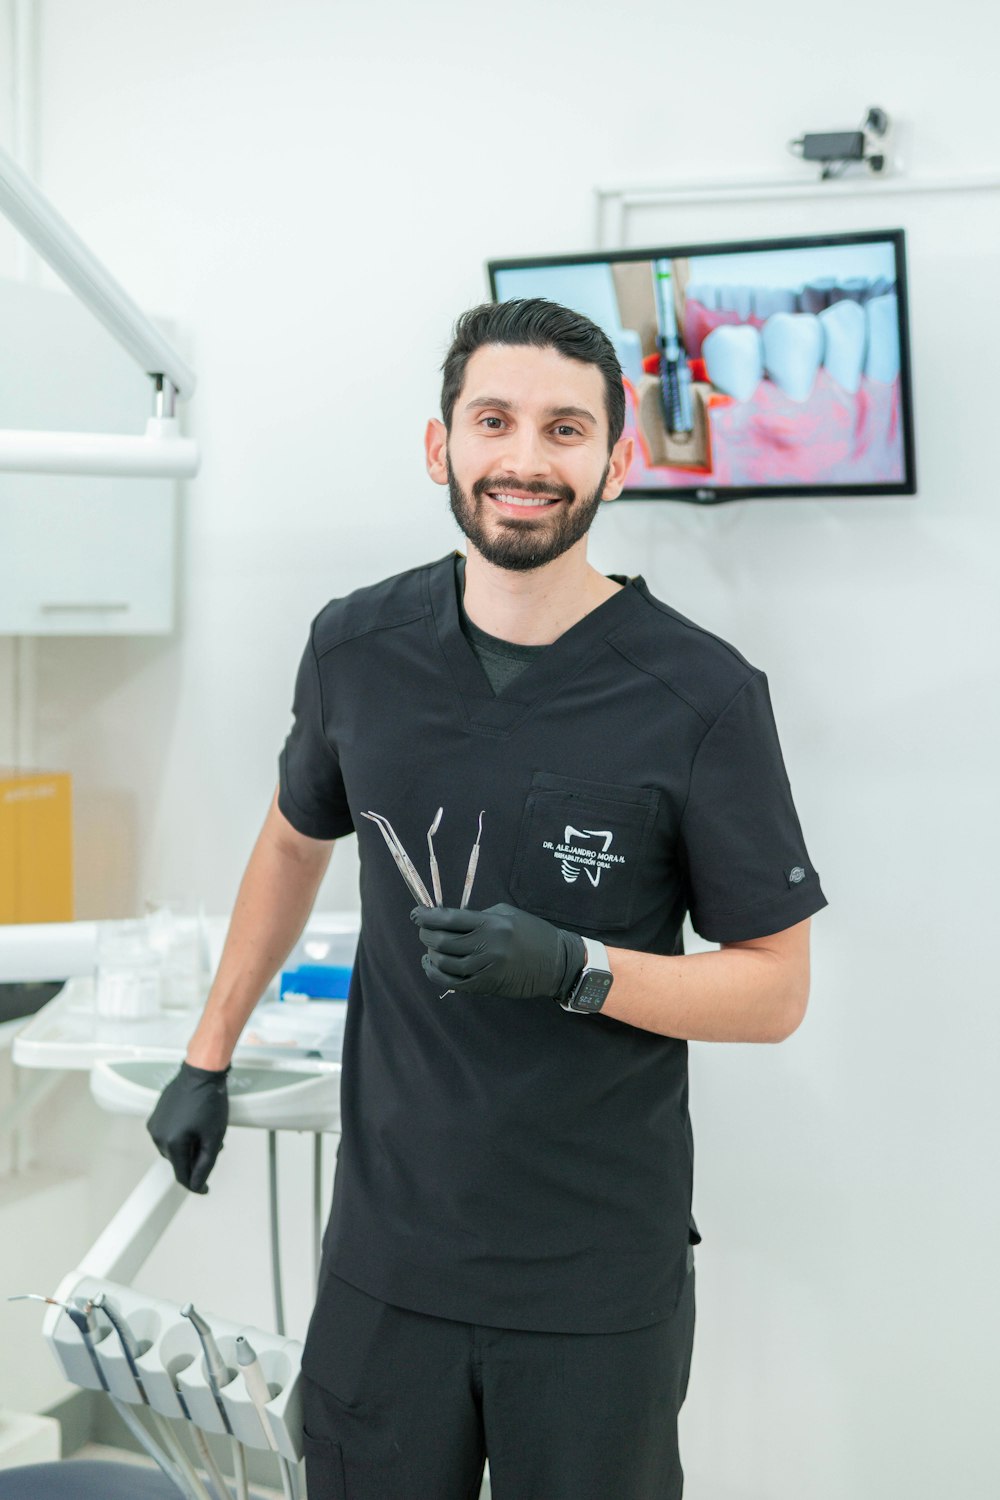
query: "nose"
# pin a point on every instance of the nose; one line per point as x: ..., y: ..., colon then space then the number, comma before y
x: 524, y: 455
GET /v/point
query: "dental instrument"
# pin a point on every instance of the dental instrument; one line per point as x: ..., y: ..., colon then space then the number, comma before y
x: 675, y: 376
x: 435, y: 873
x: 470, y: 874
x: 80, y: 1315
x: 130, y: 1348
x: 253, y: 1379
x: 256, y: 1386
x: 218, y: 1374
x: 404, y: 863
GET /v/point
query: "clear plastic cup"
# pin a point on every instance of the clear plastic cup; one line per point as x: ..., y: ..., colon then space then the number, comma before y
x: 128, y: 986
x: 176, y: 933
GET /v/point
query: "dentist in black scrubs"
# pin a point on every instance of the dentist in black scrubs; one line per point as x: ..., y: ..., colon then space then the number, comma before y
x: 508, y: 1266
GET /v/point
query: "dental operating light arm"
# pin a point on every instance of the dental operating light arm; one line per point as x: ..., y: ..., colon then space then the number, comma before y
x: 48, y: 232
x: 162, y: 451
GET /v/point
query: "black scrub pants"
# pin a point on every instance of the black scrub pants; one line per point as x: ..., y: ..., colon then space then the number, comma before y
x: 402, y: 1406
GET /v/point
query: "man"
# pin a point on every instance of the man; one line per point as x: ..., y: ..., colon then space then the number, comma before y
x: 507, y: 1269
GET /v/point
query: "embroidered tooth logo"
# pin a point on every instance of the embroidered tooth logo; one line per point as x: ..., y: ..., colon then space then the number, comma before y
x: 573, y: 864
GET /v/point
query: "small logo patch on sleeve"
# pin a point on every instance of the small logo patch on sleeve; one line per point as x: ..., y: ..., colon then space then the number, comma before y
x: 795, y: 875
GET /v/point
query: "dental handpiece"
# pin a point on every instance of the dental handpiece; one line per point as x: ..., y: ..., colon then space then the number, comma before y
x: 253, y: 1379
x: 217, y: 1372
x: 130, y: 1347
x: 79, y: 1314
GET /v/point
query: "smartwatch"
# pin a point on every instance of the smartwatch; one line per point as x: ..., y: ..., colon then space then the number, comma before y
x: 591, y: 989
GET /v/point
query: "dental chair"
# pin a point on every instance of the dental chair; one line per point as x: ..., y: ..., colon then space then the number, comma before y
x: 86, y: 1479
x: 83, y: 1479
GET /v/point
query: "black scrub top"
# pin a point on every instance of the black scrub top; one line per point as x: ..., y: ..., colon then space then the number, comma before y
x: 506, y: 1162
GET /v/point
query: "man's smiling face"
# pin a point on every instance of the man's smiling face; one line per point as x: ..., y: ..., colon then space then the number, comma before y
x: 526, y: 460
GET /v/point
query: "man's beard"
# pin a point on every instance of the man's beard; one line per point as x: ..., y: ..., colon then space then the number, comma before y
x: 522, y: 545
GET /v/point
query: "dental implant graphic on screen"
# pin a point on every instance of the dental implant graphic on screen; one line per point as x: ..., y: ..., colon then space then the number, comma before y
x: 675, y: 377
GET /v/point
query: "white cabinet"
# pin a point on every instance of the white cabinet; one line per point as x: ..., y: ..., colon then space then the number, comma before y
x: 78, y: 555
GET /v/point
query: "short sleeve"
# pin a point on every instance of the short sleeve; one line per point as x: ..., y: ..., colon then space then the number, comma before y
x: 311, y: 792
x: 748, y: 870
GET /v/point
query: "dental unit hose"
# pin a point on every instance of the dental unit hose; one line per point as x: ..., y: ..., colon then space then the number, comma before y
x: 256, y: 1387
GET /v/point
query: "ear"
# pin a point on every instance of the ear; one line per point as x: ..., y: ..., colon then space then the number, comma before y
x: 436, y: 450
x: 621, y: 461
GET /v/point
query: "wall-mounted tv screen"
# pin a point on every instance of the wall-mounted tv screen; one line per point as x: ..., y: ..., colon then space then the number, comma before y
x: 769, y: 367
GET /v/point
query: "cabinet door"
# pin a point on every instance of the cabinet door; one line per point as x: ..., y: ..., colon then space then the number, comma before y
x: 78, y: 555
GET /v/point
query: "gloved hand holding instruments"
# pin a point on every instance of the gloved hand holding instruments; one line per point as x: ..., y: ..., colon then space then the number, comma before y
x: 500, y: 951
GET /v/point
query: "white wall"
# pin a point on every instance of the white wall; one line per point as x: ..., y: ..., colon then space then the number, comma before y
x: 310, y: 192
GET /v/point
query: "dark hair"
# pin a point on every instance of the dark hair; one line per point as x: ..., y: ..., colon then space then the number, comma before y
x: 542, y: 325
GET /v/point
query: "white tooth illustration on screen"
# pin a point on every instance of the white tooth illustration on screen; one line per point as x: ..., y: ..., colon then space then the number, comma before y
x: 735, y: 299
x: 880, y: 286
x: 793, y: 348
x: 883, y: 338
x: 845, y: 333
x: 816, y: 293
x: 853, y: 288
x: 734, y: 359
x: 773, y: 299
x: 698, y: 291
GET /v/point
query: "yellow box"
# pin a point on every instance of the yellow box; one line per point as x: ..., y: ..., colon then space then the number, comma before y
x: 36, y: 847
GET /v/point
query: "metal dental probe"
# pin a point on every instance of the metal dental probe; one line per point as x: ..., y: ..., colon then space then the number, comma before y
x: 470, y: 874
x: 80, y: 1317
x: 435, y: 873
x: 130, y: 1349
x: 404, y: 863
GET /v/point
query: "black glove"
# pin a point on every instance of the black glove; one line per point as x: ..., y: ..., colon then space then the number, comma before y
x: 500, y: 951
x: 189, y: 1122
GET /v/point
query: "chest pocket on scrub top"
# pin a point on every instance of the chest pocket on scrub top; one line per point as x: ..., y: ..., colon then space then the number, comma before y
x: 581, y: 849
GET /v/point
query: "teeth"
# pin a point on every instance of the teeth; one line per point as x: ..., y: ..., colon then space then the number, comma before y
x: 735, y: 299
x: 816, y: 294
x: 793, y: 348
x: 883, y: 338
x: 706, y: 295
x: 516, y: 500
x: 854, y: 289
x: 734, y: 359
x: 845, y: 331
x: 768, y: 300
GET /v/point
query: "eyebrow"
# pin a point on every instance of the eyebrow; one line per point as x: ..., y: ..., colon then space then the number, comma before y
x: 580, y: 412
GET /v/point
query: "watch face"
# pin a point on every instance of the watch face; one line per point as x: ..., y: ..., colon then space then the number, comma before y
x: 593, y: 991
